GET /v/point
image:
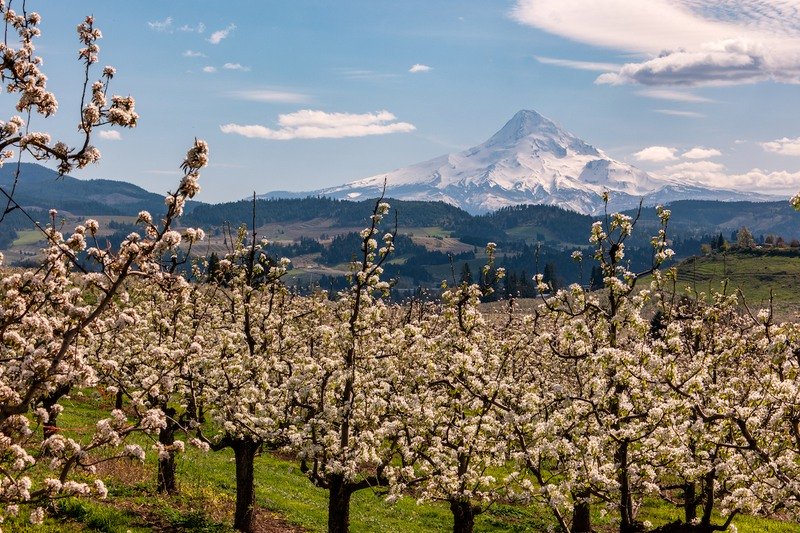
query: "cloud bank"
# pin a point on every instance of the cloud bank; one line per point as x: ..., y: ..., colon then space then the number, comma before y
x: 680, y: 42
x: 785, y: 146
x: 716, y: 175
x: 701, y: 153
x: 311, y: 124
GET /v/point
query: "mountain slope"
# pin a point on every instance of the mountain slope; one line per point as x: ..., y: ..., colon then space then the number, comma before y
x: 40, y: 188
x: 530, y: 160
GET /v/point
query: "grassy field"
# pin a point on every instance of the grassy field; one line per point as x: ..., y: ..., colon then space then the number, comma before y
x: 287, y: 501
x: 28, y: 237
x: 758, y: 277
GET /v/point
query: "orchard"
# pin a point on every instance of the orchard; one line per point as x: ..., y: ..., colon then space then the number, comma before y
x: 590, y: 405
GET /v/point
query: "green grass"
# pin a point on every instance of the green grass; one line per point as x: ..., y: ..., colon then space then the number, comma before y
x: 27, y: 237
x: 756, y: 276
x: 207, y: 493
x: 427, y: 231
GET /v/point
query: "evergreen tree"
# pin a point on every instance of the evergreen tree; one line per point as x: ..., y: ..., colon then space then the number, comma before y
x: 550, y: 276
x: 596, y: 278
x: 466, y: 274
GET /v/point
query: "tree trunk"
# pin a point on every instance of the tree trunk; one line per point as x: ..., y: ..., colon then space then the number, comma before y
x: 708, y: 497
x: 51, y: 427
x: 689, y: 502
x: 463, y: 516
x: 339, y: 505
x: 245, y: 452
x: 627, y: 523
x: 581, y: 516
x: 118, y: 400
x: 166, y: 465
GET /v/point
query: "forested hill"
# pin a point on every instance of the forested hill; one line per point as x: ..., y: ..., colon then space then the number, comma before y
x: 342, y: 212
x: 40, y: 189
x: 525, y: 222
x: 692, y: 217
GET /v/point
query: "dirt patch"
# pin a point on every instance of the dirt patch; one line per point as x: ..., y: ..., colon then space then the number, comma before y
x: 127, y: 471
x: 269, y: 522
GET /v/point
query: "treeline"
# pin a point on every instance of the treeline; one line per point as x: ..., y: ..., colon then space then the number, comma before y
x: 343, y: 212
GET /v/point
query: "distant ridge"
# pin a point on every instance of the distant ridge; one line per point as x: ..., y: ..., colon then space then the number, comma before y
x: 40, y: 188
x: 530, y: 160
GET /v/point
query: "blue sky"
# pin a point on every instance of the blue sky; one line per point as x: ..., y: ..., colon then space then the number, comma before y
x: 306, y: 94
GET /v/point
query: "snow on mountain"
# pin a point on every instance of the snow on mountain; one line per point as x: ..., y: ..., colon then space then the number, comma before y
x: 530, y: 160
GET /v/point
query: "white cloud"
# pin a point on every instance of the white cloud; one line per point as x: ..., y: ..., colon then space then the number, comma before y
x: 656, y: 154
x: 579, y: 65
x: 163, y: 26
x: 419, y: 67
x: 236, y: 66
x: 785, y: 146
x: 311, y: 124
x: 110, y: 135
x: 681, y: 42
x: 699, y: 152
x: 679, y: 113
x: 209, y: 69
x: 755, y: 180
x: 695, y: 167
x: 270, y: 96
x: 198, y: 28
x: 219, y: 35
x: 672, y: 95
x: 364, y: 74
x: 727, y: 62
x: 193, y: 53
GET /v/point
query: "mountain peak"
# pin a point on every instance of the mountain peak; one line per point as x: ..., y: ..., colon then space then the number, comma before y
x: 531, y: 160
x: 523, y: 124
x: 532, y: 131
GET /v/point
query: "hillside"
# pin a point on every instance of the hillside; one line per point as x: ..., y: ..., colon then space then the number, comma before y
x: 439, y: 239
x: 758, y: 274
x: 40, y: 189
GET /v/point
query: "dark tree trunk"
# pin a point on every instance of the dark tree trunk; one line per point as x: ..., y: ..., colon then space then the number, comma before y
x: 245, y: 452
x: 51, y: 427
x: 463, y: 516
x: 581, y: 515
x: 339, y: 505
x: 166, y: 465
x: 118, y: 400
x: 689, y: 502
x: 708, y: 497
x: 626, y: 524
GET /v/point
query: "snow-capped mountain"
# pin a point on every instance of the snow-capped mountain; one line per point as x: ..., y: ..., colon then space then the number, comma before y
x: 530, y: 160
